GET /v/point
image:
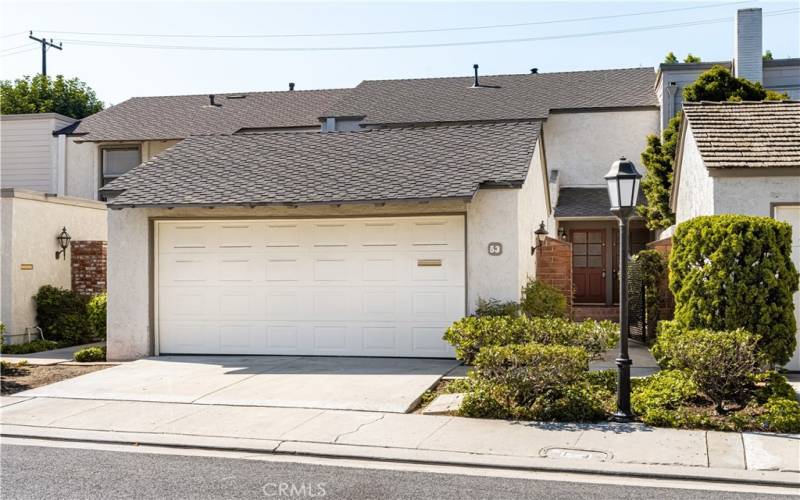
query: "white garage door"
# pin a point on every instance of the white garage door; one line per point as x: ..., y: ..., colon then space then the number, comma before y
x: 366, y: 286
x: 791, y: 214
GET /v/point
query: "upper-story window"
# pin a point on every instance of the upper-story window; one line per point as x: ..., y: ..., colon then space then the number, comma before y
x: 117, y: 160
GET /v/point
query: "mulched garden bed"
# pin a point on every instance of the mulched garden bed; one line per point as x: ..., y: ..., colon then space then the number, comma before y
x: 18, y: 377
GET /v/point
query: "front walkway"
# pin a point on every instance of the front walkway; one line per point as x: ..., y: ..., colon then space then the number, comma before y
x: 624, y: 449
x: 644, y: 363
x: 342, y: 383
x: 52, y: 357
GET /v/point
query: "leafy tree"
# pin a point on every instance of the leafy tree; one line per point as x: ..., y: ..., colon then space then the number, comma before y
x: 767, y: 56
x: 691, y: 58
x: 670, y: 58
x: 43, y: 94
x: 716, y: 84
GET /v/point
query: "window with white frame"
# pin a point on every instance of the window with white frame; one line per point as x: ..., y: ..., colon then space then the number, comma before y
x: 115, y: 161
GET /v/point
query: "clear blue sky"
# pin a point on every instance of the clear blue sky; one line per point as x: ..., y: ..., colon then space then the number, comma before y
x: 117, y: 73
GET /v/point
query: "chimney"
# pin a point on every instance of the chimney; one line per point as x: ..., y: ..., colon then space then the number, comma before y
x: 291, y: 86
x: 476, y: 83
x: 747, y: 47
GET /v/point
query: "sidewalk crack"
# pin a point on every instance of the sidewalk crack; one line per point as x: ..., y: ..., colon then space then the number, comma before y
x: 446, y: 421
x: 360, y: 426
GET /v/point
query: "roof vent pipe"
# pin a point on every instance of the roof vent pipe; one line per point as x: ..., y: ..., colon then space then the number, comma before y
x: 211, y: 100
x: 291, y: 86
x: 534, y: 71
x: 476, y: 84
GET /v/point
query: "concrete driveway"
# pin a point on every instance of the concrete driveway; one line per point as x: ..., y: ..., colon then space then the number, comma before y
x: 371, y: 384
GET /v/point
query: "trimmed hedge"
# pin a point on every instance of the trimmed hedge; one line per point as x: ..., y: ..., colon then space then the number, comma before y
x: 736, y: 271
x: 494, y: 307
x: 90, y: 354
x: 30, y: 347
x: 540, y: 300
x: 96, y: 314
x: 61, y: 314
x: 469, y: 335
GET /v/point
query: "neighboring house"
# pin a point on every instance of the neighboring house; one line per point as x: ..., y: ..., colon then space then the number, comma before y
x: 780, y: 75
x: 34, y: 207
x: 410, y: 200
x: 741, y: 158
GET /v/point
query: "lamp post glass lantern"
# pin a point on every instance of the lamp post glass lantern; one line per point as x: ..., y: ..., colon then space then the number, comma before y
x: 540, y: 234
x: 623, y: 190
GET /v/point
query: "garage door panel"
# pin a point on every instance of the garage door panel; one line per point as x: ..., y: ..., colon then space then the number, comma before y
x: 375, y: 286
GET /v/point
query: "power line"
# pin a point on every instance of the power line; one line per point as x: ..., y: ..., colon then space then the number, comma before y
x: 15, y: 48
x: 396, y: 32
x: 13, y: 34
x: 412, y: 46
x: 19, y: 52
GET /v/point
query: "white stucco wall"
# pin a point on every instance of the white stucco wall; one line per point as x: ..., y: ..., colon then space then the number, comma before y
x: 30, y: 223
x: 83, y: 163
x: 532, y: 207
x: 754, y: 195
x: 582, y: 146
x: 492, y: 216
x: 695, y: 187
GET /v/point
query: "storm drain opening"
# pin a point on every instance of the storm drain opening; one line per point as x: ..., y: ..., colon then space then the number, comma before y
x: 575, y: 454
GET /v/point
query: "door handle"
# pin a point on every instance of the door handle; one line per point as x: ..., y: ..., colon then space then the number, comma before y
x: 604, y: 274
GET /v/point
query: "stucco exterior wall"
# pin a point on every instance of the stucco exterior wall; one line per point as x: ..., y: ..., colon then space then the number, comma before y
x: 30, y: 223
x: 532, y: 207
x: 695, y: 186
x: 582, y: 146
x: 83, y: 163
x: 490, y: 217
x: 754, y: 195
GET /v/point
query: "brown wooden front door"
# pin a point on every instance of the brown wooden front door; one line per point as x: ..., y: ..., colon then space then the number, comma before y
x: 589, y: 264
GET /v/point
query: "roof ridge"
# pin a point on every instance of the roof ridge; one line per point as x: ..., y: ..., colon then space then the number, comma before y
x: 508, y: 74
x: 224, y: 94
x: 738, y: 103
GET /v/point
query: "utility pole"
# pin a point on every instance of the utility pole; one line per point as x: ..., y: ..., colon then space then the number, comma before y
x: 45, y: 45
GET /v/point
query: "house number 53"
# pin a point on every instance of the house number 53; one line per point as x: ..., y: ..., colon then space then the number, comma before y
x: 495, y: 248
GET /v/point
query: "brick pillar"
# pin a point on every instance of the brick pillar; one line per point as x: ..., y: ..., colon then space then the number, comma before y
x: 667, y: 309
x: 88, y: 266
x: 554, y: 267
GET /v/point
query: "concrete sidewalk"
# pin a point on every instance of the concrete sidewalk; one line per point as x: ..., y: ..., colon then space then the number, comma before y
x: 621, y: 449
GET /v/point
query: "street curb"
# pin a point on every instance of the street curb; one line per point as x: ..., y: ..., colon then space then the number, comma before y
x: 407, y: 455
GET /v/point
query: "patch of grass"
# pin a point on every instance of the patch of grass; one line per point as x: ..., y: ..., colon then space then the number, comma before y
x: 31, y: 347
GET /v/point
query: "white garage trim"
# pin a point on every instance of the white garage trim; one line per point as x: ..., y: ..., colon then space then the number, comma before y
x: 789, y: 212
x: 371, y: 286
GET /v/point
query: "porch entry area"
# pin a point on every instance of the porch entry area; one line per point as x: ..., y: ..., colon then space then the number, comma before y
x: 595, y: 257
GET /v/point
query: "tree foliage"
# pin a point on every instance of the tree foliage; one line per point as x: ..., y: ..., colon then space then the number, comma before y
x: 670, y: 58
x: 691, y: 58
x: 716, y: 84
x: 767, y: 56
x: 736, y: 271
x: 43, y: 94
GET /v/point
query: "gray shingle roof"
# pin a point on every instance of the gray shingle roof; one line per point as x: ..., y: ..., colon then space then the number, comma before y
x: 586, y: 202
x: 177, y: 117
x: 297, y: 167
x: 746, y: 134
x: 501, y: 97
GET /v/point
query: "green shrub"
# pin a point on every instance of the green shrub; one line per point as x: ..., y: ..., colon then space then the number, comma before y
x: 91, y: 354
x: 721, y: 364
x: 469, y: 335
x: 528, y: 371
x: 96, y: 315
x: 494, y: 307
x: 736, y: 271
x: 580, y: 402
x: 30, y: 347
x: 485, y: 400
x: 781, y: 415
x: 542, y: 300
x: 770, y: 385
x: 664, y: 391
x: 603, y: 379
x: 595, y: 337
x: 61, y: 314
x: 653, y: 269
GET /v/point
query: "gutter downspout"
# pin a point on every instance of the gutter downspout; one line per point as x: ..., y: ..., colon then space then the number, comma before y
x: 61, y: 165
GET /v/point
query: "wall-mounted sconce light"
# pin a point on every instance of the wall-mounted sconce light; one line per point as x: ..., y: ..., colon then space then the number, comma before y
x: 63, y: 242
x: 541, y: 234
x: 562, y: 233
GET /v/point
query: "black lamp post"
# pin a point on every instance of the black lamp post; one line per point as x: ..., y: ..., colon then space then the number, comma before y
x: 63, y: 242
x: 623, y: 189
x: 541, y: 234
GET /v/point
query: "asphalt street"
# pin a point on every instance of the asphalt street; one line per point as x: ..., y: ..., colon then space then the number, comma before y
x: 32, y: 472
